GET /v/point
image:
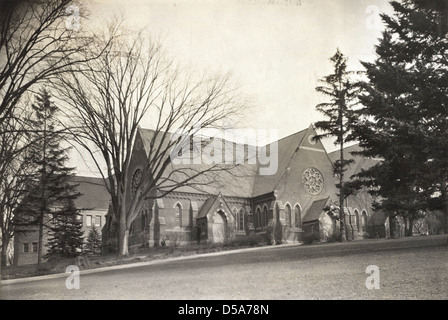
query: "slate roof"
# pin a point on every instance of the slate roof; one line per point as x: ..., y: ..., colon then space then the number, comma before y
x: 94, y: 194
x: 315, y: 210
x: 232, y: 181
x: 206, y: 207
x: 287, y: 148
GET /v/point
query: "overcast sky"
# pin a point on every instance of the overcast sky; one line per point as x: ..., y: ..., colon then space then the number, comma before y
x: 276, y: 50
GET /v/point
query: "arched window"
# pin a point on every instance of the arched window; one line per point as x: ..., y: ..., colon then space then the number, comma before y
x: 357, y: 219
x: 144, y: 218
x: 178, y: 217
x: 298, y: 216
x: 265, y: 216
x: 235, y: 217
x: 241, y: 220
x: 190, y: 217
x: 135, y: 181
x: 364, y: 220
x: 288, y: 215
x: 257, y: 218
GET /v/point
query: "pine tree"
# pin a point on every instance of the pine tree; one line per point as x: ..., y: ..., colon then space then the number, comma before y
x: 342, y: 92
x: 93, y: 243
x: 404, y: 118
x: 49, y: 185
x: 66, y: 234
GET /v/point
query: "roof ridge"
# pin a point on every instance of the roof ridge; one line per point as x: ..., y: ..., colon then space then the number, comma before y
x: 292, y: 156
x: 203, y: 135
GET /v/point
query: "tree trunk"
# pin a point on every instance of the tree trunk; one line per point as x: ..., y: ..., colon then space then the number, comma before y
x: 41, y: 240
x: 411, y: 226
x: 343, y: 229
x: 392, y: 226
x: 406, y: 226
x: 445, y: 200
x: 123, y: 236
x: 4, y: 256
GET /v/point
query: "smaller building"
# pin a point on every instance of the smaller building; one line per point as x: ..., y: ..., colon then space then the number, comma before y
x: 319, y: 221
x: 93, y: 205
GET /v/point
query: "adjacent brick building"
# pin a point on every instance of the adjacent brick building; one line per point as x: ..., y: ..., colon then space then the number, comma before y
x: 93, y: 204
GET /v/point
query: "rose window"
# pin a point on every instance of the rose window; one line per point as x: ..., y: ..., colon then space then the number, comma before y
x: 313, y: 181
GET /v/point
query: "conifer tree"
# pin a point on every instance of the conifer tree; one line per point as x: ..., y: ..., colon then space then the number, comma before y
x: 93, y: 242
x: 405, y: 106
x: 66, y: 234
x: 342, y: 92
x: 48, y: 187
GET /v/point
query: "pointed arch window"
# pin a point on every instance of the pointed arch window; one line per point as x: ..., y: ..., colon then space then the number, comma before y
x: 265, y: 216
x: 357, y: 219
x: 135, y: 181
x: 178, y: 215
x: 257, y: 218
x: 235, y: 217
x: 241, y: 220
x: 298, y: 216
x: 288, y: 215
x: 364, y: 220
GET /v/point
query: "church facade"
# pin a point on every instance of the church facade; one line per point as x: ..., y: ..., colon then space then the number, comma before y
x: 286, y: 206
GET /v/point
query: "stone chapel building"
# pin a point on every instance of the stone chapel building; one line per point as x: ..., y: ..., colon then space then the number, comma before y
x: 238, y: 206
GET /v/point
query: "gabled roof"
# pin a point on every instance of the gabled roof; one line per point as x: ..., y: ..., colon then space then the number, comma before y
x: 233, y: 180
x: 287, y: 148
x: 316, y: 209
x: 206, y: 207
x: 148, y: 135
x: 209, y: 204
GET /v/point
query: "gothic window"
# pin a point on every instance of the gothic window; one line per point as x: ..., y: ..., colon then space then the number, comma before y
x: 135, y: 181
x: 265, y: 216
x: 178, y: 213
x: 288, y: 215
x: 298, y: 216
x: 313, y: 181
x: 364, y: 220
x: 235, y: 218
x: 241, y: 220
x: 257, y: 218
x: 357, y: 219
x: 144, y: 219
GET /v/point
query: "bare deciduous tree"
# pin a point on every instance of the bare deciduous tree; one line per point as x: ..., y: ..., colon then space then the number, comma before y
x: 36, y: 44
x: 131, y: 80
x: 13, y: 136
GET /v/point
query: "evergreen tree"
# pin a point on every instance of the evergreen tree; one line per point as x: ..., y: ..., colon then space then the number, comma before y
x: 93, y: 243
x: 66, y: 234
x: 49, y: 185
x: 342, y: 92
x: 404, y: 116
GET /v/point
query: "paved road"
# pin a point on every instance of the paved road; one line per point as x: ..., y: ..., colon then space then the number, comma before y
x: 414, y: 268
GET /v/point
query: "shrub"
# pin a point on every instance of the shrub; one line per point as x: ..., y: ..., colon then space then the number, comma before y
x: 309, y: 238
x: 335, y: 237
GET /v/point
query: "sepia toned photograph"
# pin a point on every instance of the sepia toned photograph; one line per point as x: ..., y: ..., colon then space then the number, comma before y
x: 224, y: 155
